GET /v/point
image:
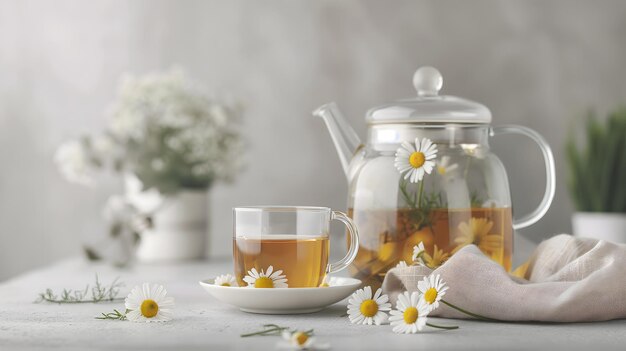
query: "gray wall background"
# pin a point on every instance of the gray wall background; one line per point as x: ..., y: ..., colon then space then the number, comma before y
x: 537, y: 63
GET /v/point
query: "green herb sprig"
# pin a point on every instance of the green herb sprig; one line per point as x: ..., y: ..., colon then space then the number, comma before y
x: 115, y: 315
x: 95, y: 294
x: 421, y: 201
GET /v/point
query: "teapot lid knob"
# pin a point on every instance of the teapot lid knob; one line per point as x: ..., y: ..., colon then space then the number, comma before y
x: 427, y: 81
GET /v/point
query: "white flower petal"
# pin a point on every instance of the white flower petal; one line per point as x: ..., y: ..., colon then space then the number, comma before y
x: 380, y: 318
x: 402, y: 303
x: 367, y: 292
x: 412, y: 298
x: 407, y: 146
x: 422, y: 286
x: 415, y: 176
x: 426, y: 143
x: 134, y: 316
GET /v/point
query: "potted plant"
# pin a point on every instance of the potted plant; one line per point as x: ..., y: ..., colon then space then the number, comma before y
x: 170, y: 142
x: 597, y: 181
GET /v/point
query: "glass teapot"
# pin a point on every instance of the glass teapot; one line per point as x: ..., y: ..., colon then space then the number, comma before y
x: 426, y: 175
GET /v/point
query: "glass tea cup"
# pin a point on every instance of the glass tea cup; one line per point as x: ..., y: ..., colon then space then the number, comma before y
x: 291, y: 239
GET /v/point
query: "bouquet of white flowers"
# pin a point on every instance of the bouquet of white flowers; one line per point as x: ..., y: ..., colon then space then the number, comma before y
x: 164, y: 129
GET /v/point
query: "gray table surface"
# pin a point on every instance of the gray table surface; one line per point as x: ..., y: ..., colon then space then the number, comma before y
x: 201, y: 322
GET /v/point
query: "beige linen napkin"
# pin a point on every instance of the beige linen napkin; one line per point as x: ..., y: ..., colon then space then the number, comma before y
x: 567, y: 279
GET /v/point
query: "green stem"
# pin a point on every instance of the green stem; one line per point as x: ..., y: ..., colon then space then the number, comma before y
x: 477, y: 316
x: 421, y: 192
x: 264, y: 332
x: 406, y: 195
x: 115, y: 315
x: 273, y: 329
x: 446, y: 327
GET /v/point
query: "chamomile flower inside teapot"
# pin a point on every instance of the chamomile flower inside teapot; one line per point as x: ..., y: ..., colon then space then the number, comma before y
x: 425, y: 183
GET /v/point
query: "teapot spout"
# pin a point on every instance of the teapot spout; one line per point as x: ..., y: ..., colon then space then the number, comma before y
x: 344, y: 137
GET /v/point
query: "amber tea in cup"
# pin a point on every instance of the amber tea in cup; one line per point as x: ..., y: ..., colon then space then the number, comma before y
x: 294, y: 240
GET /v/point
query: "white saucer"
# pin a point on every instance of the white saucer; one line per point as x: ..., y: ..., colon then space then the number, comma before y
x: 283, y: 300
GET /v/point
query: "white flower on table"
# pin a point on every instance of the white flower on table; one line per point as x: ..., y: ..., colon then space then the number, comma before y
x: 365, y: 309
x: 226, y: 280
x: 300, y: 340
x: 432, y: 289
x: 267, y: 279
x: 410, y: 314
x: 149, y: 303
x: 415, y: 160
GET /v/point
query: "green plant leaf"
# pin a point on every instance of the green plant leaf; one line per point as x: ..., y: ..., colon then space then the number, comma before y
x: 597, y: 165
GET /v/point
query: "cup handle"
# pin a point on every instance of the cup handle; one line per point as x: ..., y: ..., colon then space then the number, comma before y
x: 354, y: 243
x: 548, y: 158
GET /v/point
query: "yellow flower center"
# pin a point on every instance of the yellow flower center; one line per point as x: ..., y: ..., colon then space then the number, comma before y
x: 369, y: 308
x: 263, y: 282
x: 301, y: 338
x: 225, y: 284
x: 410, y: 315
x: 417, y: 159
x: 149, y: 308
x: 430, y: 295
x: 441, y: 170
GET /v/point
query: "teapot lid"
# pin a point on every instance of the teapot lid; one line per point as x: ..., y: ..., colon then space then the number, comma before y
x: 429, y: 106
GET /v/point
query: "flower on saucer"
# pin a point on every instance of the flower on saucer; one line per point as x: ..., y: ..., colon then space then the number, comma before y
x: 432, y: 289
x: 402, y: 264
x: 410, y: 314
x: 444, y: 167
x: 300, y: 340
x: 413, y: 160
x: 149, y: 303
x: 438, y: 258
x: 267, y: 279
x: 226, y: 280
x: 418, y: 253
x: 365, y: 309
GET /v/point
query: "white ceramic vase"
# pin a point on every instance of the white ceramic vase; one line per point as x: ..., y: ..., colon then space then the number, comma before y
x: 600, y: 225
x: 179, y: 223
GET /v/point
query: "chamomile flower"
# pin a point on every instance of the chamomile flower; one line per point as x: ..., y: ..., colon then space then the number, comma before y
x: 438, y: 258
x: 476, y: 231
x: 226, y: 280
x: 410, y: 314
x: 149, y: 303
x: 300, y: 340
x: 365, y: 309
x: 444, y: 167
x: 418, y: 253
x: 267, y: 279
x: 402, y: 264
x: 415, y: 160
x: 432, y: 289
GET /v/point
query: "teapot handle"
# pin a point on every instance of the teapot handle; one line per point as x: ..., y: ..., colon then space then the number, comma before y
x: 548, y: 158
